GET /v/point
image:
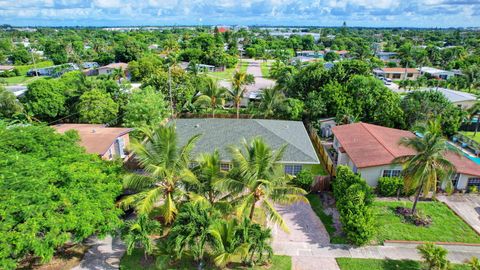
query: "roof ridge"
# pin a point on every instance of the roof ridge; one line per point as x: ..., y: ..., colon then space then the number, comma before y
x: 289, y: 143
x: 365, y: 125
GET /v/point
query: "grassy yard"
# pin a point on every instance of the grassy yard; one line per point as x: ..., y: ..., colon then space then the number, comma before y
x: 24, y: 68
x: 327, y: 220
x: 136, y: 261
x: 470, y: 135
x: 445, y: 227
x: 19, y: 80
x: 227, y: 74
x: 376, y: 264
x: 265, y: 68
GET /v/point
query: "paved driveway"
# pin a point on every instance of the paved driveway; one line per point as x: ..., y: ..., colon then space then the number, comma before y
x: 103, y: 254
x: 305, y: 231
x: 467, y: 206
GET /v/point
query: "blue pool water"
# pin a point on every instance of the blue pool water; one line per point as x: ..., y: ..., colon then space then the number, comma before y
x: 474, y: 159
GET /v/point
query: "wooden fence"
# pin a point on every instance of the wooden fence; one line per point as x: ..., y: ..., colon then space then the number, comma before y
x: 321, y: 151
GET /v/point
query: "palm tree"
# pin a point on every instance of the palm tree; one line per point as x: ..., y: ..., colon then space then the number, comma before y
x: 212, y: 96
x: 239, y: 81
x: 428, y: 166
x: 165, y: 166
x: 271, y: 100
x: 258, y: 178
x: 137, y: 233
x: 209, y: 173
x: 117, y: 74
x: 227, y: 243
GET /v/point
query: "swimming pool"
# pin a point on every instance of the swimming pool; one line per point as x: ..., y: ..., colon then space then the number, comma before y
x: 474, y: 159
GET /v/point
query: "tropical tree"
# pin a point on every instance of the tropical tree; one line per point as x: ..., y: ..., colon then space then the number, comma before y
x: 423, y: 170
x: 97, y: 107
x: 9, y: 105
x: 117, y: 74
x: 227, y: 243
x: 474, y: 112
x: 435, y: 256
x: 258, y: 239
x: 212, y: 96
x: 136, y: 233
x: 474, y: 263
x: 257, y: 177
x: 239, y: 81
x: 272, y: 100
x: 165, y: 166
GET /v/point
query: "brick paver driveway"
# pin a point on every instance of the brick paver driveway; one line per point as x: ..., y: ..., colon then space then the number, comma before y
x: 467, y: 206
x: 305, y: 231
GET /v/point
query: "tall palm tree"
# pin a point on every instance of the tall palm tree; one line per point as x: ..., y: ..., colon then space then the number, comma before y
x: 212, y: 95
x: 117, y: 74
x: 239, y: 82
x: 165, y: 166
x: 428, y: 167
x: 258, y: 178
x: 271, y: 100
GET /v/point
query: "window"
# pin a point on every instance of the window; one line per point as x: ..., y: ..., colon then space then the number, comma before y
x: 355, y: 169
x: 225, y: 166
x: 119, y: 146
x: 110, y: 154
x: 391, y: 173
x: 474, y: 181
x: 409, y: 75
x: 293, y: 169
x: 397, y: 75
x: 455, y: 179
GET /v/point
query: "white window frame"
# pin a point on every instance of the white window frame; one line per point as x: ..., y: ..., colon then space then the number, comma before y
x: 293, y: 169
x: 391, y: 173
x: 224, y: 166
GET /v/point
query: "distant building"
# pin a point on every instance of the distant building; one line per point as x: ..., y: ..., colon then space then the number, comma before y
x: 17, y: 90
x: 387, y: 56
x: 460, y: 99
x: 88, y: 65
x: 108, y: 69
x: 397, y: 73
x: 107, y: 142
x: 53, y: 71
x: 436, y: 73
x: 310, y: 54
x: 6, y: 68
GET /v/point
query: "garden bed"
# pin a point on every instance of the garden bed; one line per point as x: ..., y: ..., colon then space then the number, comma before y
x: 445, y: 225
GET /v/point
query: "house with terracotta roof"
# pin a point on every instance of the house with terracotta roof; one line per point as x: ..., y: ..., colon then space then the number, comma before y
x: 107, y: 142
x: 397, y: 73
x: 370, y: 150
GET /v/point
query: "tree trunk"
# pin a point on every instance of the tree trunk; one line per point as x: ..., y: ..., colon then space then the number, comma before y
x: 398, y: 194
x: 252, y: 209
x: 414, y: 207
x: 238, y: 109
x: 213, y: 112
x: 476, y: 125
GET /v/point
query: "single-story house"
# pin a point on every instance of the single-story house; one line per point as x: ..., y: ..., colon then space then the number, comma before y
x: 436, y: 73
x: 107, y: 142
x: 53, y: 71
x: 370, y: 150
x: 111, y: 67
x: 6, y: 68
x: 397, y: 73
x: 217, y: 133
x: 310, y: 54
x: 460, y: 99
x: 387, y: 56
x: 90, y: 65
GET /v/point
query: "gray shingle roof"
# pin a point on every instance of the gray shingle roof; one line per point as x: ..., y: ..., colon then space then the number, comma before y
x: 221, y: 133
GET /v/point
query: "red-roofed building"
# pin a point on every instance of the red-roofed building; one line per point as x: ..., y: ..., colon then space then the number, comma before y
x: 370, y: 150
x: 107, y: 142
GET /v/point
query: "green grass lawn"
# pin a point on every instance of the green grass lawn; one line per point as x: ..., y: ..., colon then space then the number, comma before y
x: 445, y: 227
x: 376, y: 264
x: 227, y: 74
x: 327, y: 220
x: 265, y: 67
x: 469, y: 134
x: 19, y: 80
x: 136, y: 261
x: 243, y: 66
x: 24, y: 68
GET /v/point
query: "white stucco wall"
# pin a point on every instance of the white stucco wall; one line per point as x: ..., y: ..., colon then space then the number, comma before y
x: 371, y: 174
x: 465, y: 104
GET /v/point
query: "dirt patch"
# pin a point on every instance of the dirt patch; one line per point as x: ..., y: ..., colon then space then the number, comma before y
x: 66, y: 258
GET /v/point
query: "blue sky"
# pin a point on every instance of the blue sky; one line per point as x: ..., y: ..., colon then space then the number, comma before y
x: 384, y: 13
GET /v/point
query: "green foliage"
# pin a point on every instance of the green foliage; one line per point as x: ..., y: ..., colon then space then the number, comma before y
x: 435, y: 257
x: 45, y: 99
x: 9, y: 105
x: 145, y: 108
x: 389, y: 186
x: 326, y: 219
x: 97, y: 107
x: 474, y: 263
x: 304, y: 179
x: 51, y: 193
x: 354, y: 198
x: 136, y: 233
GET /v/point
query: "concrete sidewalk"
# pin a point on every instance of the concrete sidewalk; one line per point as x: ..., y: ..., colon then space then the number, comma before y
x: 467, y: 206
x: 103, y: 254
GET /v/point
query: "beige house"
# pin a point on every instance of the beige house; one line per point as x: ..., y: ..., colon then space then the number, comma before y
x: 370, y: 150
x: 107, y: 142
x: 397, y: 73
x: 105, y: 70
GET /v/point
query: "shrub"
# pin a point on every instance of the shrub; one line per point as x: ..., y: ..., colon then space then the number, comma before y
x: 473, y: 189
x: 304, y: 180
x: 354, y: 198
x: 389, y: 186
x: 435, y: 257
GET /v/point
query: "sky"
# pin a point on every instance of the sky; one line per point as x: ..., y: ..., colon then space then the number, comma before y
x: 366, y: 13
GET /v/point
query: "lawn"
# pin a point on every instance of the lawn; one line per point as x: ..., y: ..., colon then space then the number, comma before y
x: 227, y: 74
x: 376, y: 264
x: 19, y: 80
x: 469, y: 134
x: 326, y: 219
x: 265, y: 68
x: 24, y: 68
x: 445, y: 227
x: 136, y: 261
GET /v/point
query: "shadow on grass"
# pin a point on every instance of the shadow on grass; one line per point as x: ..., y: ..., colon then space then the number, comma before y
x: 400, y: 264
